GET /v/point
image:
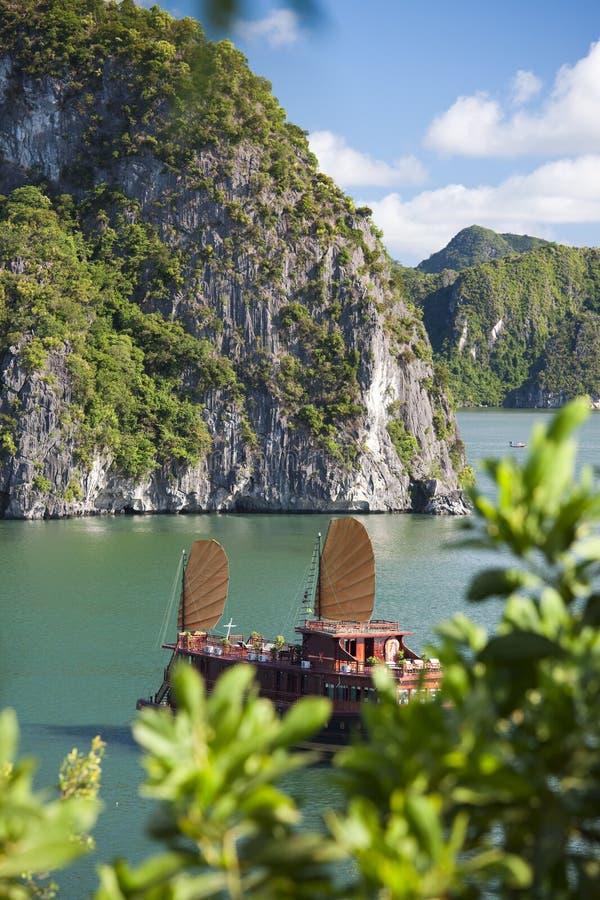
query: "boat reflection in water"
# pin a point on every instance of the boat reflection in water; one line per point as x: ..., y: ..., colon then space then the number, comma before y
x: 338, y: 645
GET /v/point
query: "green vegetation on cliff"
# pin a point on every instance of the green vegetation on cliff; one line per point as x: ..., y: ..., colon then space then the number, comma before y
x: 136, y: 377
x: 172, y: 90
x: 513, y: 329
x: 475, y: 245
x: 173, y: 221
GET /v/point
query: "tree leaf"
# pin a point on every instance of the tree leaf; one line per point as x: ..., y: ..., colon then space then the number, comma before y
x: 9, y: 735
x: 591, y: 614
x: 499, y: 583
x: 568, y: 418
x: 304, y: 719
x: 520, y: 646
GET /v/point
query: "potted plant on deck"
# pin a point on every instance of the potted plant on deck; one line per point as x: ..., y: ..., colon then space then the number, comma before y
x: 184, y: 639
x: 256, y: 641
x: 277, y: 646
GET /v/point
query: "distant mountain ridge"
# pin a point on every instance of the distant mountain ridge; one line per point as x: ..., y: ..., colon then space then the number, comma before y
x: 474, y: 245
x: 518, y: 330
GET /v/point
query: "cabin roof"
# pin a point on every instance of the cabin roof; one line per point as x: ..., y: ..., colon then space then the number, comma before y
x: 379, y: 627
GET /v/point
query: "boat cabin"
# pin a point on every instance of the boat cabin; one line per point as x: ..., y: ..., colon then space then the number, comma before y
x: 353, y: 646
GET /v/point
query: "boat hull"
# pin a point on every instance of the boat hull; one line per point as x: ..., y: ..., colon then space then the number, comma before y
x: 285, y: 681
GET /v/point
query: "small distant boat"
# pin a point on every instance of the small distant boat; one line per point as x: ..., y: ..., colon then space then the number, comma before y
x: 517, y: 445
x: 340, y: 644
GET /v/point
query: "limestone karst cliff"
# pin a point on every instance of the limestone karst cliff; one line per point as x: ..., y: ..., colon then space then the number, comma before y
x: 518, y: 331
x: 191, y: 316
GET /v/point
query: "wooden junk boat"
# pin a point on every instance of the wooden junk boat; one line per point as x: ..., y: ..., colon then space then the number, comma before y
x: 338, y: 648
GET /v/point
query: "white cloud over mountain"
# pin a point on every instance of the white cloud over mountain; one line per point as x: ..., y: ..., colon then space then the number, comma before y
x: 350, y: 168
x: 279, y: 29
x: 566, y: 123
x: 561, y: 192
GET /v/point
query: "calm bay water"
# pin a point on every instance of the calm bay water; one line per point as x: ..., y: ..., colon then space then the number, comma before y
x: 82, y: 602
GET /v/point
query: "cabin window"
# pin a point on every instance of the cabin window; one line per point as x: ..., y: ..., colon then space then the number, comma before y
x: 403, y: 696
x: 341, y: 692
x: 329, y: 690
x: 354, y: 693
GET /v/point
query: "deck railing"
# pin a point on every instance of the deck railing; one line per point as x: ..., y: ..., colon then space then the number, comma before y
x: 211, y: 645
x: 429, y: 666
x: 374, y: 626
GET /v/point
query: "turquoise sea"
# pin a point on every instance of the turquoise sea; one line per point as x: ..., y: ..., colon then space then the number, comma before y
x: 82, y: 602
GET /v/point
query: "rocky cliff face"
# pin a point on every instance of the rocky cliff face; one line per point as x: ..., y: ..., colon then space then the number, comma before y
x: 520, y: 331
x: 260, y: 258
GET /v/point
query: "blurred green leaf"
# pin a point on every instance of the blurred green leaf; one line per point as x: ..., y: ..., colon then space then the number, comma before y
x: 9, y: 736
x: 499, y: 583
x: 519, y: 646
x: 591, y: 614
x: 303, y: 720
x: 567, y: 419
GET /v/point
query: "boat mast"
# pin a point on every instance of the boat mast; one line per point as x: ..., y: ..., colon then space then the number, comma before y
x: 183, y: 567
x: 318, y: 590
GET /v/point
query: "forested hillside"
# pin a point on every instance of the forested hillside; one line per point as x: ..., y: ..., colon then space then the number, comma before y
x: 522, y: 330
x: 474, y: 245
x: 191, y: 315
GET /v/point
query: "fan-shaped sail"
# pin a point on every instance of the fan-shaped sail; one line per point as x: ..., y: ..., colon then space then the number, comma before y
x: 205, y: 584
x: 347, y: 573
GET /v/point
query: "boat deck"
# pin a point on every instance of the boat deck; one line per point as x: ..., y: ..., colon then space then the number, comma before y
x: 408, y: 671
x: 341, y: 628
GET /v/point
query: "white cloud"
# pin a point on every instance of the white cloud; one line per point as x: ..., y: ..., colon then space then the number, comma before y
x: 350, y: 167
x: 468, y: 128
x: 558, y: 193
x: 525, y: 86
x: 568, y: 122
x: 279, y: 29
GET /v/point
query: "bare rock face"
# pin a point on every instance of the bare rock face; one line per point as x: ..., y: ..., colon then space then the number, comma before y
x: 533, y: 395
x: 248, y: 252
x: 43, y: 463
x: 285, y: 471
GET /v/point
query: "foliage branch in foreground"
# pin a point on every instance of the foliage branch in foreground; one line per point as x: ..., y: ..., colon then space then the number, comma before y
x: 39, y: 835
x: 492, y: 791
x: 228, y: 829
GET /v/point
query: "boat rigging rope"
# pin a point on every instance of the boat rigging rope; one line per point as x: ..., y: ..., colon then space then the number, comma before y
x: 175, y: 591
x: 296, y: 611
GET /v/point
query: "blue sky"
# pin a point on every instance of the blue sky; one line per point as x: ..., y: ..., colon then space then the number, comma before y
x: 442, y: 114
